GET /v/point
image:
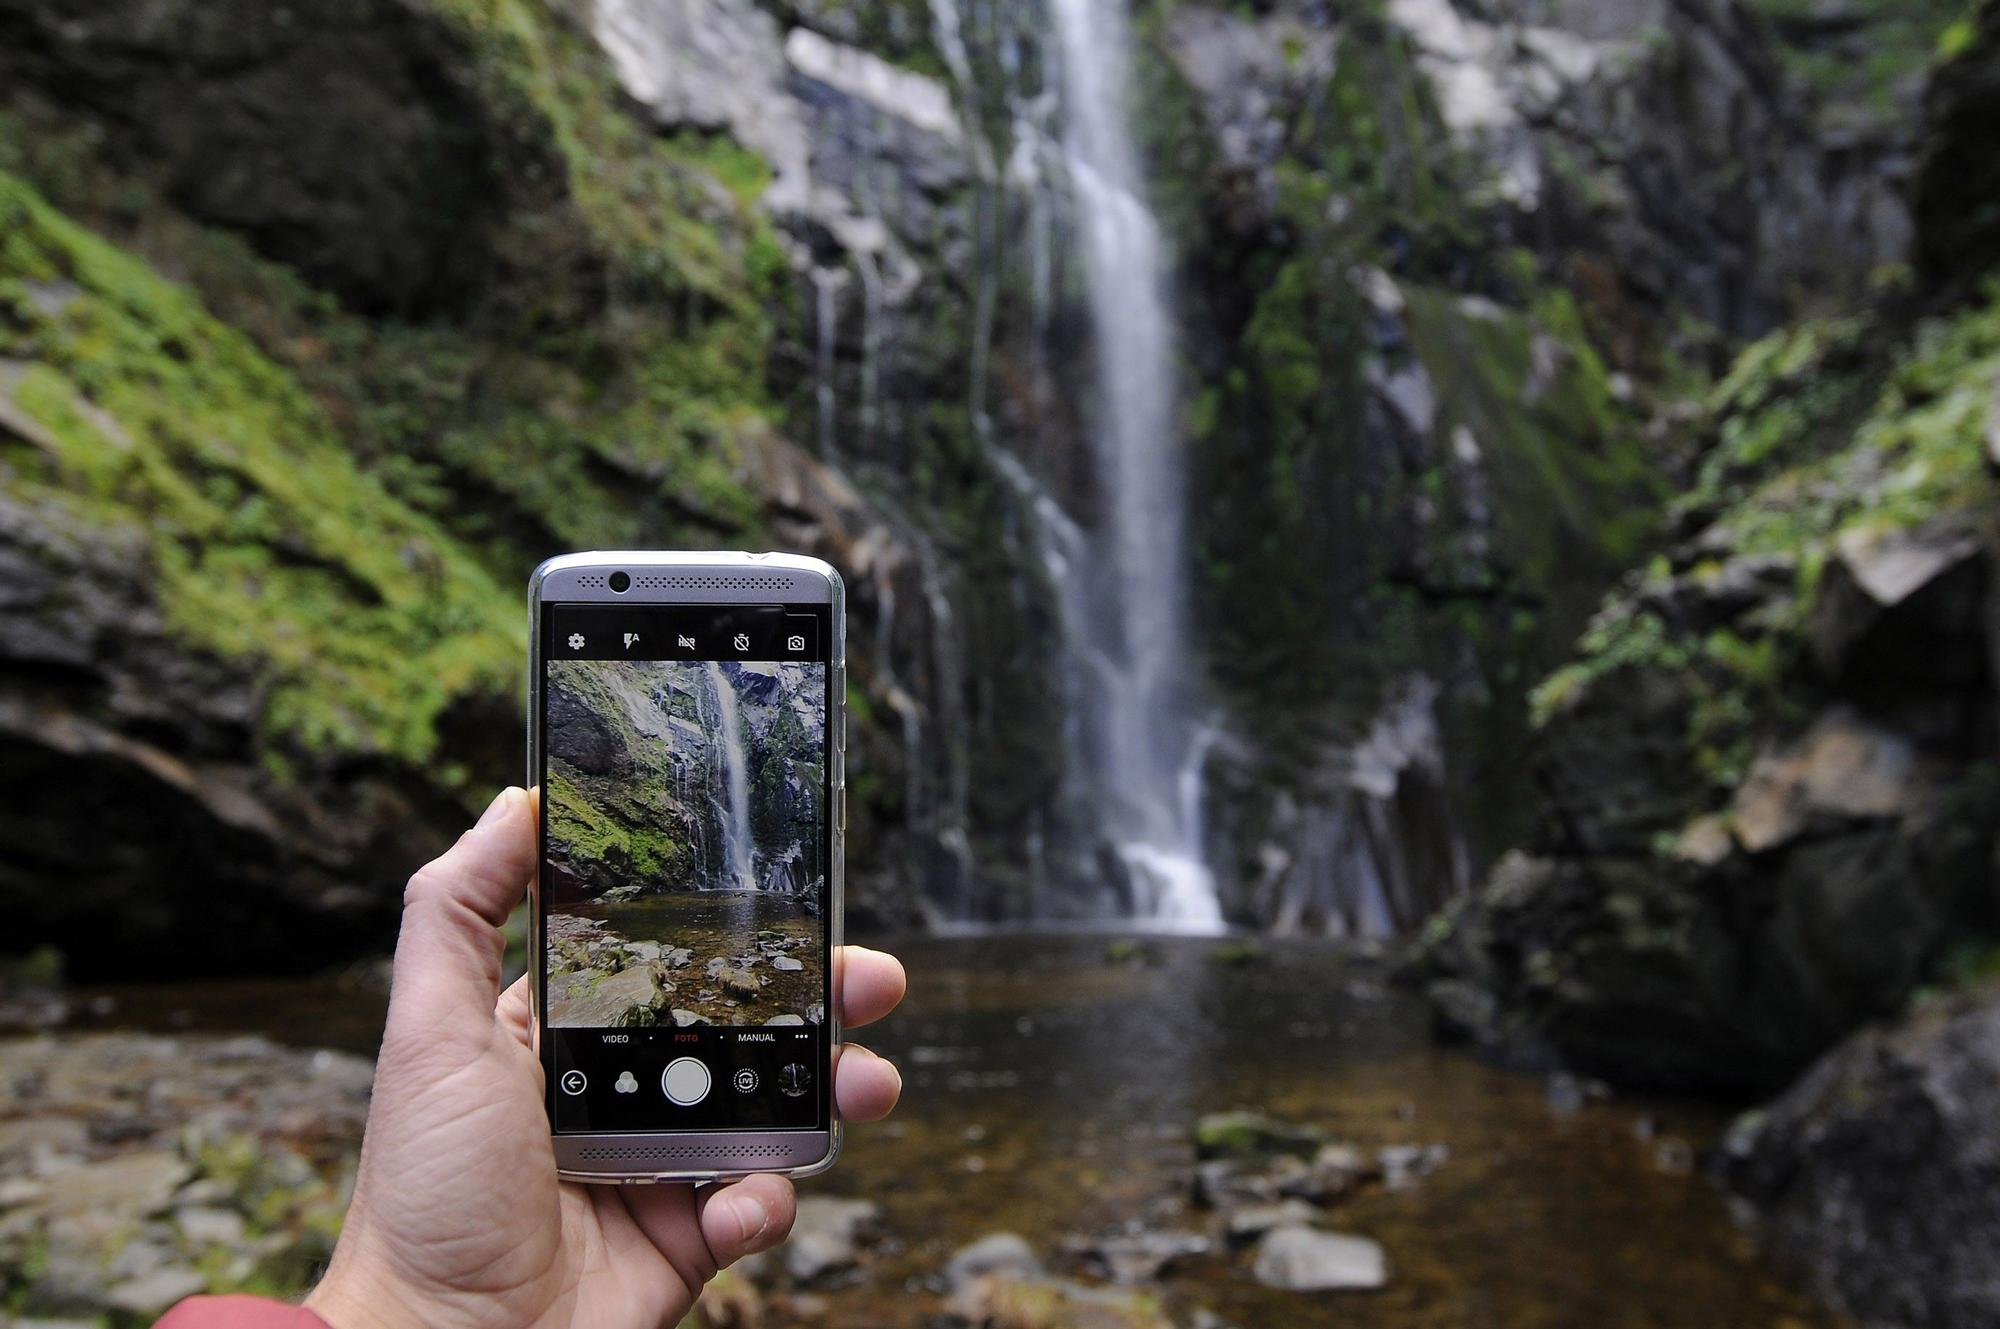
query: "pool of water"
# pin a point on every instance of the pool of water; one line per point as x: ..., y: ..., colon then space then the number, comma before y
x: 1052, y: 1092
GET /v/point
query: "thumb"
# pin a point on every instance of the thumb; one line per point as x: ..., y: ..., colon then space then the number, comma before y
x: 448, y: 956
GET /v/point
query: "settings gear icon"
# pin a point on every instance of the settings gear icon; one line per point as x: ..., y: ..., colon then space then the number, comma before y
x: 576, y: 641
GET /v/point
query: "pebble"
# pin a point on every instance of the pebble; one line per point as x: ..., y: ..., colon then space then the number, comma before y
x: 1005, y: 1253
x: 1303, y: 1259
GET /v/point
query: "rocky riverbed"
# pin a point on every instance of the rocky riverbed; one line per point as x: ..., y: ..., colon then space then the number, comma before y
x: 136, y: 1169
x: 685, y: 958
x: 1132, y: 1135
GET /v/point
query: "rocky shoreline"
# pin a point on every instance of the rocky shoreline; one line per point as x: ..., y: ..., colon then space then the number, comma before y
x: 599, y: 979
x: 137, y: 1169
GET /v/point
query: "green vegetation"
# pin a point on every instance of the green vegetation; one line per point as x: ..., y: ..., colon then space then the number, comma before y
x: 129, y: 406
x: 1818, y: 432
x: 1865, y: 52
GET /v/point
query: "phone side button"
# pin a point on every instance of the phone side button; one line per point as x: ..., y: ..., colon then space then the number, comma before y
x: 840, y: 810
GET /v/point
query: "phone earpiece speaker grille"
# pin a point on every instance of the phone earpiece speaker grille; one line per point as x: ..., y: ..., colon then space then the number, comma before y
x: 689, y: 582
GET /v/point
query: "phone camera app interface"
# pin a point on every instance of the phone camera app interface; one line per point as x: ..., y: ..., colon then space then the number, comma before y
x: 685, y: 873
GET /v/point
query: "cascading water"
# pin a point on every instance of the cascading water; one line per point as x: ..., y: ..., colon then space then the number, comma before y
x: 734, y: 807
x: 1141, y: 744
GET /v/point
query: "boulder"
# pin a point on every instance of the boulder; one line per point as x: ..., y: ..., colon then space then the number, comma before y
x: 827, y: 1236
x: 593, y: 999
x: 1877, y: 1176
x: 1303, y: 1259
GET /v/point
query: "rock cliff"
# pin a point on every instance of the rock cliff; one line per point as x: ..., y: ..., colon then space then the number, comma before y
x: 497, y: 279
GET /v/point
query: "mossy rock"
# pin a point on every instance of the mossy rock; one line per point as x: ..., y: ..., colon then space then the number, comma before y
x: 1245, y: 1134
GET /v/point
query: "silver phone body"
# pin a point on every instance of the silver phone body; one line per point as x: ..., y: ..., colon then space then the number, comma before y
x: 703, y: 578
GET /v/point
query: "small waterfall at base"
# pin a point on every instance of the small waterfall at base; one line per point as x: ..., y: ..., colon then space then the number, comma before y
x: 736, y: 840
x: 1143, y: 751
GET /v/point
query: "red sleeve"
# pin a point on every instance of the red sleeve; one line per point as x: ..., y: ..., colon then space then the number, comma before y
x: 238, y: 1313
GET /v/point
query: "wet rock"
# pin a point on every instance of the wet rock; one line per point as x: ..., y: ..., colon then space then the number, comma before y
x: 1404, y: 1165
x: 1004, y: 1253
x: 740, y: 983
x: 1245, y: 1134
x: 786, y: 1020
x: 1252, y: 1221
x: 648, y: 951
x: 828, y: 1235
x: 1138, y: 1256
x: 1875, y: 1177
x: 785, y: 964
x: 595, y: 998
x: 209, y: 1227
x: 684, y: 1018
x: 1303, y: 1259
x: 140, y: 1182
x: 1336, y: 1170
x: 816, y: 1013
x: 1060, y: 1303
x: 153, y: 1293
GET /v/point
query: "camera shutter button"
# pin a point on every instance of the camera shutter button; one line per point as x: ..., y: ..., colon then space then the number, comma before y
x: 685, y: 1081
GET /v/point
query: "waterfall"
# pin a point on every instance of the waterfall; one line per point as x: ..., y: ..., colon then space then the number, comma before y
x: 1143, y: 748
x: 736, y: 842
x: 826, y: 291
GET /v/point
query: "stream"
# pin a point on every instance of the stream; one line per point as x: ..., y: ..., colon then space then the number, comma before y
x: 1052, y: 1092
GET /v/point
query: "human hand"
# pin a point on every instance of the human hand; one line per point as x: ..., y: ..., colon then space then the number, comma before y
x: 458, y: 1217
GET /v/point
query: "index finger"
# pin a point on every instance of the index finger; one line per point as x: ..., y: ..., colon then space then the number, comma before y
x: 870, y: 984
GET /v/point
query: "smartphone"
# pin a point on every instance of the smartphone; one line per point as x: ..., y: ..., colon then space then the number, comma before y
x: 686, y: 734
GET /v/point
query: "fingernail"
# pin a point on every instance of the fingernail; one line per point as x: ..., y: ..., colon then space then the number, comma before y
x: 752, y: 1217
x: 498, y: 807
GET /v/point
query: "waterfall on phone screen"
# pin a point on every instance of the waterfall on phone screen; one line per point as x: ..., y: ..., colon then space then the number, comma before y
x: 735, y: 808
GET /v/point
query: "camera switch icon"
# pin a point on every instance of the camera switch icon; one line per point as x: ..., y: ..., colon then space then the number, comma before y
x: 626, y: 1083
x: 795, y: 644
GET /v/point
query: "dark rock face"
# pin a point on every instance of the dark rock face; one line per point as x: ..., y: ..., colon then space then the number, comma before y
x: 342, y: 139
x: 140, y: 840
x: 1957, y: 197
x: 1650, y: 937
x: 1878, y: 1175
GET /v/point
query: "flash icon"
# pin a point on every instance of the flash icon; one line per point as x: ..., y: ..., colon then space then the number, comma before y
x: 630, y: 637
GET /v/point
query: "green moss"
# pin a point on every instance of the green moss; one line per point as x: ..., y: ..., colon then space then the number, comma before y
x: 596, y: 827
x: 268, y: 544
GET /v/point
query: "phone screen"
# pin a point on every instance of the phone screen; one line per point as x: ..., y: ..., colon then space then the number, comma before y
x: 686, y: 866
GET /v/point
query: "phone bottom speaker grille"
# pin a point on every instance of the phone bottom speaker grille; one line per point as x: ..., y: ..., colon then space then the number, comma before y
x: 669, y: 1153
